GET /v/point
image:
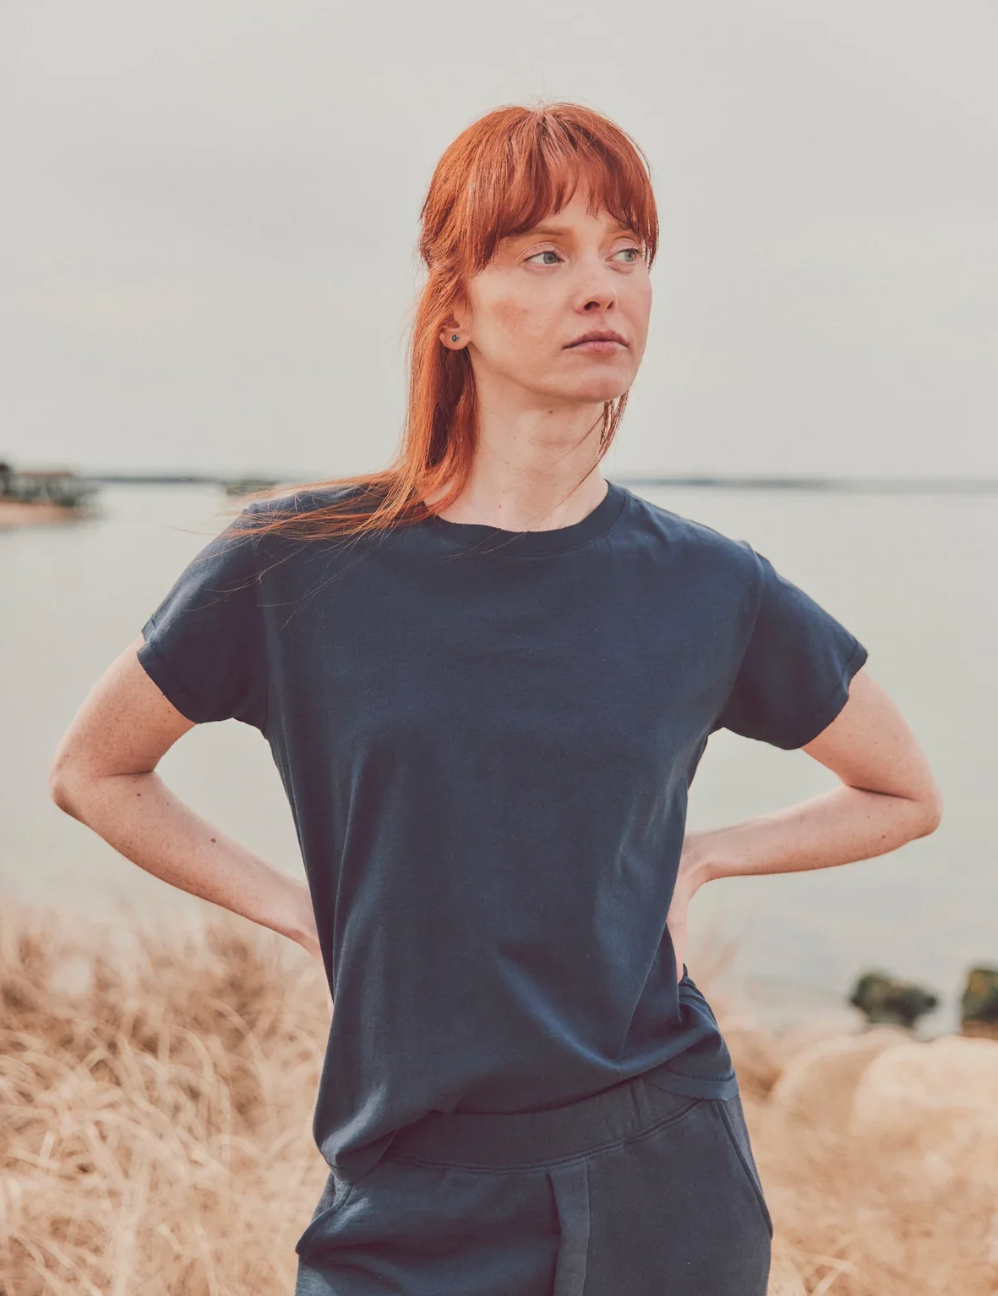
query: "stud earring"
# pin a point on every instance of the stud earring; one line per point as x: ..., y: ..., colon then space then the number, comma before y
x: 453, y: 337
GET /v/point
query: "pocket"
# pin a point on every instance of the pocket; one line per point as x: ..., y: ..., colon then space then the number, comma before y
x: 733, y: 1120
x: 335, y: 1196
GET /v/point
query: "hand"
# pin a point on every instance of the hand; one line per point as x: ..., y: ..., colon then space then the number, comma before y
x: 693, y: 873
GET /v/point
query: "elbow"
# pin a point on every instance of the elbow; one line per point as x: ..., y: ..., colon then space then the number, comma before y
x: 60, y: 794
x: 930, y: 814
x: 64, y: 788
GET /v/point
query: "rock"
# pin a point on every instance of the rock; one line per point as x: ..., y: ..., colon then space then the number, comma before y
x: 883, y: 998
x: 979, y: 1004
x: 817, y: 1087
x: 983, y: 1030
x: 934, y: 1106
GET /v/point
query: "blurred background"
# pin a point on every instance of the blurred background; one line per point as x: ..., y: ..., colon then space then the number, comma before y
x: 209, y: 215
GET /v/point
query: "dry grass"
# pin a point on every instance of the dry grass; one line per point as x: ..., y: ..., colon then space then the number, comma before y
x: 155, y: 1123
x: 155, y: 1132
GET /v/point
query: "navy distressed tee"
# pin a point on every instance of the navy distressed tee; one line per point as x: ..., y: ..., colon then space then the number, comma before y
x: 486, y: 738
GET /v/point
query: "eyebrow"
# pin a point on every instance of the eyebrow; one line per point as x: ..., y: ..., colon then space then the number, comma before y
x: 563, y: 229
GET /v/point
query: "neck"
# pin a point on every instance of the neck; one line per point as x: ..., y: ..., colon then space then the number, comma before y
x: 533, y: 467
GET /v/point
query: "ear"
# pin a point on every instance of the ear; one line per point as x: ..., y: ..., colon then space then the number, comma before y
x: 455, y: 325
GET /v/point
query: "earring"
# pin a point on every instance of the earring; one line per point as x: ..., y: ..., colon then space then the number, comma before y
x: 453, y: 337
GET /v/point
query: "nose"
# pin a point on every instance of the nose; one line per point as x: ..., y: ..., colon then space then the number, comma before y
x: 597, y: 287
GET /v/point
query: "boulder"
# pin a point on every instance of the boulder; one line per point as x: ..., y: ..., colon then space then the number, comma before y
x: 934, y: 1107
x: 817, y: 1087
x: 884, y: 998
x: 979, y: 1004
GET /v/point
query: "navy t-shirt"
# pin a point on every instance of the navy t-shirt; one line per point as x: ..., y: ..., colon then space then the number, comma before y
x: 486, y: 738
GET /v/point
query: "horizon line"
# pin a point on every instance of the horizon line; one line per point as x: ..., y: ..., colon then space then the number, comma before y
x: 733, y: 481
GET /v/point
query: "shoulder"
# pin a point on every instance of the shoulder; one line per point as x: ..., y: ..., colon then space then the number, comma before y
x: 298, y: 499
x: 294, y: 518
x: 693, y: 541
x: 292, y: 537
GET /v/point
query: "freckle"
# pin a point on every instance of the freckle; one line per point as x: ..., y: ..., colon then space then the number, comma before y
x: 214, y: 839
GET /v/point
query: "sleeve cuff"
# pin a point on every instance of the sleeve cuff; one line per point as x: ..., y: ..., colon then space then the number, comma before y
x: 822, y: 716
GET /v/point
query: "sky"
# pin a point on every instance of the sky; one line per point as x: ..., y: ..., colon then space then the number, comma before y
x: 208, y: 218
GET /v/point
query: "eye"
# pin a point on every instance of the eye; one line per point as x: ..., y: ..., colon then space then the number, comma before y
x: 635, y: 252
x: 548, y: 252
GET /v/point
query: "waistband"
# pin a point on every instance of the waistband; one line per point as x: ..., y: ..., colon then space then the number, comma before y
x: 519, y: 1140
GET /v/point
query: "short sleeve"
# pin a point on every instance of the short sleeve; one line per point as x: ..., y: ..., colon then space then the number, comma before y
x: 793, y: 679
x: 204, y: 643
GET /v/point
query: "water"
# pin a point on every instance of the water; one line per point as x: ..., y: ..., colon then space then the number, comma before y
x: 912, y: 576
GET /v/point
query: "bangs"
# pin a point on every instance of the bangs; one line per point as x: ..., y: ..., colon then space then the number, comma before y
x: 516, y: 166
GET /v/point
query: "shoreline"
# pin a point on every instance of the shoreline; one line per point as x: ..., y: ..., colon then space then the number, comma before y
x: 22, y: 513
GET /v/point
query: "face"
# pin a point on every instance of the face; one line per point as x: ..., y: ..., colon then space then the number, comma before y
x: 571, y: 275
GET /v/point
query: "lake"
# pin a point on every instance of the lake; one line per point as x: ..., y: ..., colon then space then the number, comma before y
x: 911, y: 575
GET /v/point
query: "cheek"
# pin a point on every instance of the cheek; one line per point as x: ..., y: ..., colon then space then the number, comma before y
x: 513, y: 324
x: 639, y: 301
x: 636, y: 308
x: 510, y: 315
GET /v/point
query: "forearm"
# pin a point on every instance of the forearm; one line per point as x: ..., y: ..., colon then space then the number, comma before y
x: 836, y: 827
x: 143, y: 820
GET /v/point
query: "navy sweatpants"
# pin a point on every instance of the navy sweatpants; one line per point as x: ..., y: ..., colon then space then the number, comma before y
x: 634, y: 1191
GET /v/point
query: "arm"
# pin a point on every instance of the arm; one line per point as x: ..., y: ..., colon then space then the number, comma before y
x: 887, y: 796
x: 104, y: 775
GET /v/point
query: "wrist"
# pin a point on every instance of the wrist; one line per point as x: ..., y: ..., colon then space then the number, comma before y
x: 297, y: 916
x: 699, y: 860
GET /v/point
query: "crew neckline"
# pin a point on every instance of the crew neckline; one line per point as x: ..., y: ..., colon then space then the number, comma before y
x: 499, y: 541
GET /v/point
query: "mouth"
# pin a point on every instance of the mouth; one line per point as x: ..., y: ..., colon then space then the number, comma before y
x: 599, y: 342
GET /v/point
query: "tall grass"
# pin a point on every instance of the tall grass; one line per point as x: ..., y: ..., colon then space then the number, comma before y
x: 154, y: 1120
x: 155, y: 1131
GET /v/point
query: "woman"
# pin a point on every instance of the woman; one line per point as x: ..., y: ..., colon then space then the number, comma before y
x: 487, y: 676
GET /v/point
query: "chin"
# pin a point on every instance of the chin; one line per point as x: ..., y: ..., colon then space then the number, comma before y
x: 593, y: 388
x: 599, y: 391
x: 601, y: 383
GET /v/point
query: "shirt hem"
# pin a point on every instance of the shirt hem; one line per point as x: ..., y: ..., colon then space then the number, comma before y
x: 695, y: 1086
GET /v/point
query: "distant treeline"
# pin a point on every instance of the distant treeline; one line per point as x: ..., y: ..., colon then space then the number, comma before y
x: 851, y: 485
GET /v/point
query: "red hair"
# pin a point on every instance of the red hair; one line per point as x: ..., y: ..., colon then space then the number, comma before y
x: 501, y: 176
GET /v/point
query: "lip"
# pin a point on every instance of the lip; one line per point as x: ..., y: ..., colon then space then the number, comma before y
x: 599, y: 342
